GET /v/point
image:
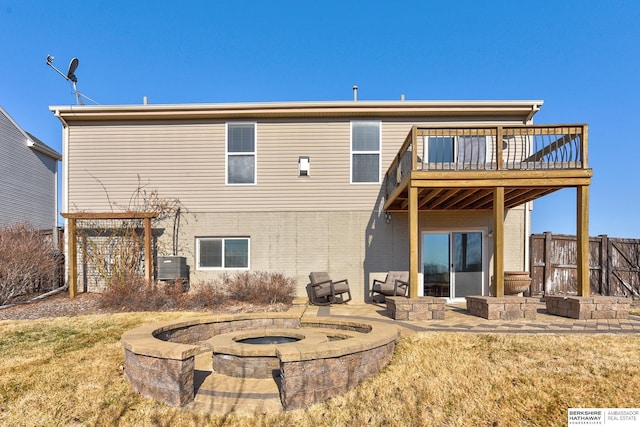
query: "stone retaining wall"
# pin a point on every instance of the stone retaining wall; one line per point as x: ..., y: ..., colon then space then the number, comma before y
x: 222, y: 325
x: 166, y: 380
x: 306, y: 382
x: 594, y: 307
x: 505, y: 308
x: 422, y: 308
x: 238, y: 367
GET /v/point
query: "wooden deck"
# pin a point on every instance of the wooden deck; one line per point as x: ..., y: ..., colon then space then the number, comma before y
x: 456, y: 168
x: 490, y: 168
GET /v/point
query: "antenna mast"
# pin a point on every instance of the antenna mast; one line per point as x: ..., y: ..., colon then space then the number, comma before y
x: 70, y: 77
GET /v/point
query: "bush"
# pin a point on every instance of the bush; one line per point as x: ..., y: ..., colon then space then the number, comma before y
x: 131, y: 293
x: 205, y: 295
x: 134, y: 293
x: 28, y: 262
x: 260, y: 287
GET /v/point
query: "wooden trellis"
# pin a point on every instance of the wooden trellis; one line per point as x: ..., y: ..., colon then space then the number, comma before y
x: 72, y: 233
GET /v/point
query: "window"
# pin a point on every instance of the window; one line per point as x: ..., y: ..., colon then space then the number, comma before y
x: 440, y: 149
x: 241, y: 153
x: 464, y: 150
x: 472, y: 149
x: 365, y: 152
x: 222, y: 253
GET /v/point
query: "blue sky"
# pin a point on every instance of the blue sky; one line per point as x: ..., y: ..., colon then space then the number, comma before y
x: 581, y: 57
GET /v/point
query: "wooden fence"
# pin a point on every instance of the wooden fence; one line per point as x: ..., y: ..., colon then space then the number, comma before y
x: 614, y: 265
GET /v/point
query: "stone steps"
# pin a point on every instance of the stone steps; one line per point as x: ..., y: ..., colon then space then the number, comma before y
x: 222, y: 395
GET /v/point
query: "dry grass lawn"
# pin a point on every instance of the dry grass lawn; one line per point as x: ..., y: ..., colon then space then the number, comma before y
x: 68, y: 371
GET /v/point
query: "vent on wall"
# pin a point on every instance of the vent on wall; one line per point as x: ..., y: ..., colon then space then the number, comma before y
x: 303, y: 166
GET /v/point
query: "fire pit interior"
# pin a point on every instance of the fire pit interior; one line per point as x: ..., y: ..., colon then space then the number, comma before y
x: 268, y: 340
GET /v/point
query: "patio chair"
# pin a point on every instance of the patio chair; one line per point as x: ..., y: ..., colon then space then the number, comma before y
x: 324, y: 291
x: 396, y: 283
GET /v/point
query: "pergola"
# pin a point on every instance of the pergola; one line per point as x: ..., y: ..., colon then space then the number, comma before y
x: 72, y: 235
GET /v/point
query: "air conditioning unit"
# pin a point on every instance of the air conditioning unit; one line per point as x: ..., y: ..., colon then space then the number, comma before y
x: 172, y: 268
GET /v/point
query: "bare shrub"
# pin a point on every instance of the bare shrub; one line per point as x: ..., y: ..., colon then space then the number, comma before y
x: 260, y: 287
x: 113, y: 249
x: 134, y: 293
x: 28, y: 262
x: 205, y: 295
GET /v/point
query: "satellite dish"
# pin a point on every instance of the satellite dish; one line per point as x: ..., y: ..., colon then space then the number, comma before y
x: 73, y: 65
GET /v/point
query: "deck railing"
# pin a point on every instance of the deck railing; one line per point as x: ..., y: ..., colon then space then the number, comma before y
x: 533, y: 147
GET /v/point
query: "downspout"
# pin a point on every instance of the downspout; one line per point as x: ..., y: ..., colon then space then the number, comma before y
x: 534, y: 109
x: 527, y: 236
x: 56, y: 240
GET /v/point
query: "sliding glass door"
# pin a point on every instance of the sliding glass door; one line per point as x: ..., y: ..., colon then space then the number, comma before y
x: 452, y: 263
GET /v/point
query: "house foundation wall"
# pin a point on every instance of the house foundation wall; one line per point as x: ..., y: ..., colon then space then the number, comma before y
x: 354, y: 245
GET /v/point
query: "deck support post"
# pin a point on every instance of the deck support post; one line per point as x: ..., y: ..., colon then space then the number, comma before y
x: 498, y: 241
x: 582, y: 233
x: 413, y: 242
x: 148, y: 255
x: 73, y: 258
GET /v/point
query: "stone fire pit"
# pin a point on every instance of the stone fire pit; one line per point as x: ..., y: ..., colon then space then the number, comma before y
x: 330, y: 356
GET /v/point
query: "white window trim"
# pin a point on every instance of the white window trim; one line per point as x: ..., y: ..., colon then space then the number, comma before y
x: 223, y: 268
x: 254, y: 153
x: 352, y: 152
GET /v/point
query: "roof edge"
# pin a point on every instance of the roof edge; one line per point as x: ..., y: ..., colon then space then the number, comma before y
x: 33, y: 142
x: 520, y: 108
x: 41, y: 147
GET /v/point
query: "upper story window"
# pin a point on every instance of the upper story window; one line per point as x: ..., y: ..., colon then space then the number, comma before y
x: 460, y: 150
x: 241, y: 153
x: 365, y: 152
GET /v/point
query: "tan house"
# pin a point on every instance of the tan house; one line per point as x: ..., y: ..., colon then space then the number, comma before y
x: 443, y: 189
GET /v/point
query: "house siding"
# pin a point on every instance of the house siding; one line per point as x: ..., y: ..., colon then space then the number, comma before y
x: 187, y: 160
x: 27, y: 180
x: 296, y: 224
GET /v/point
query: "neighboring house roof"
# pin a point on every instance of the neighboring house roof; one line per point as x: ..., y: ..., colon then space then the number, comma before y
x: 523, y: 110
x: 32, y: 141
x: 40, y: 146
